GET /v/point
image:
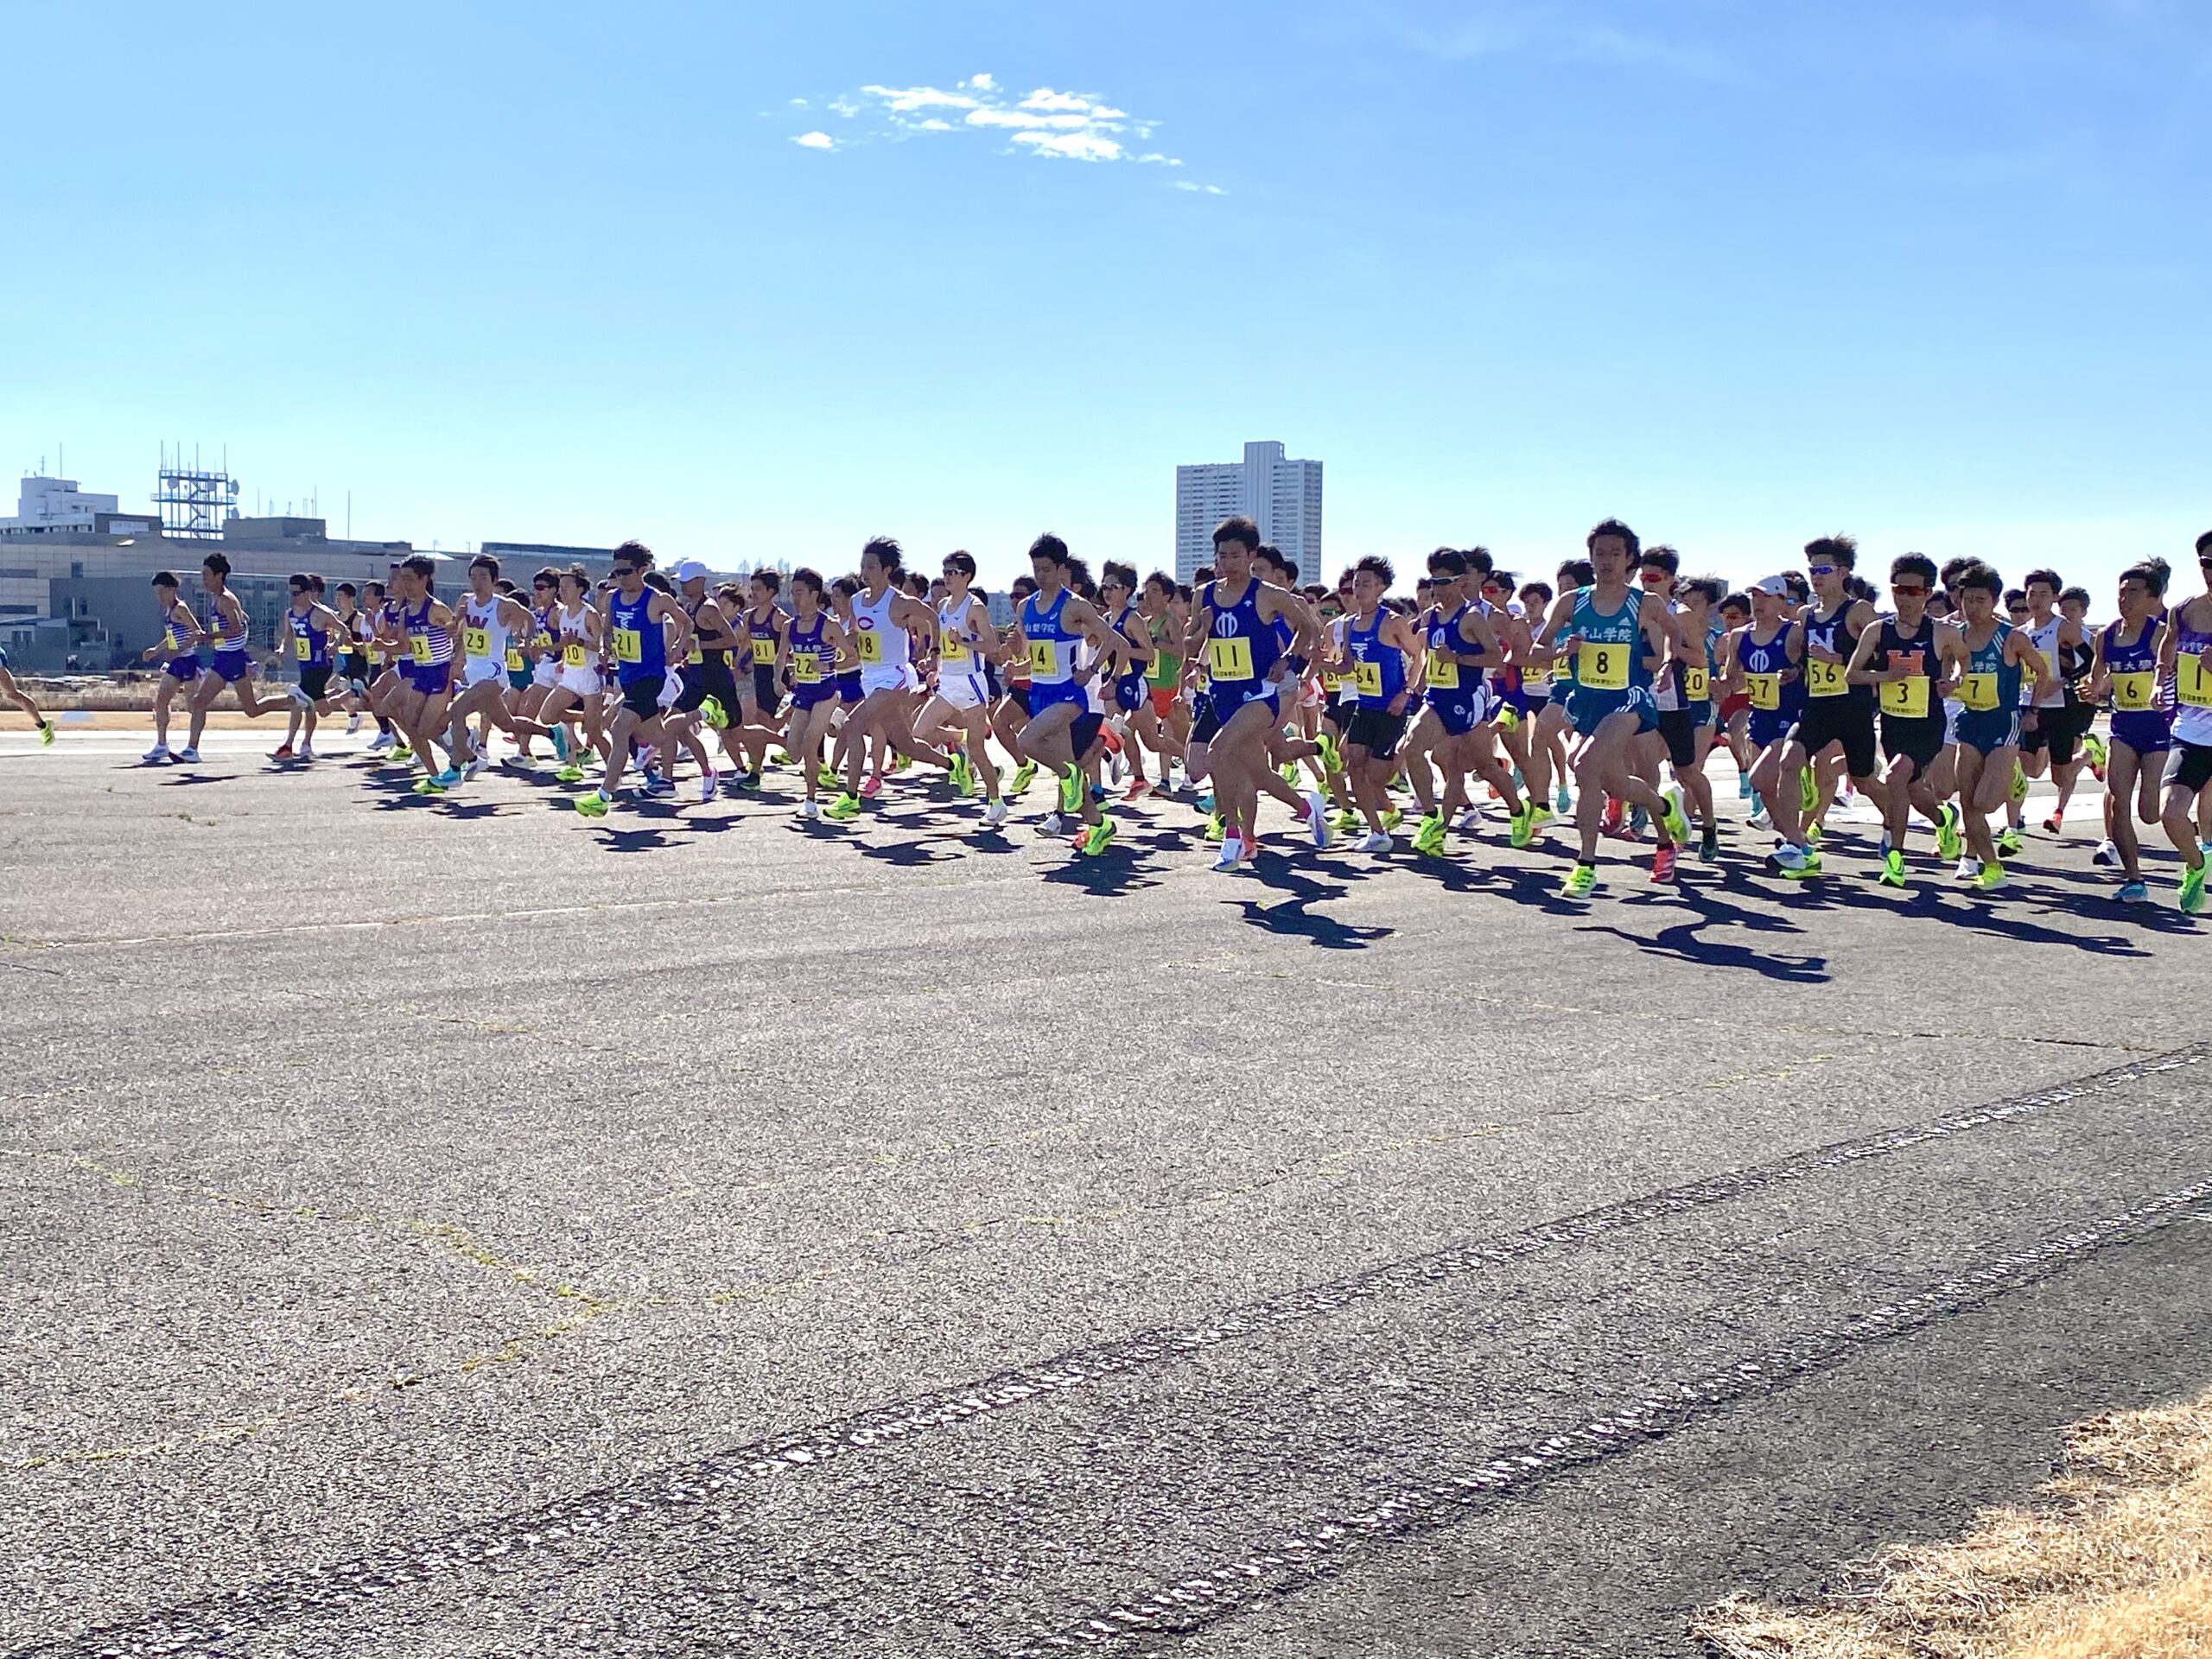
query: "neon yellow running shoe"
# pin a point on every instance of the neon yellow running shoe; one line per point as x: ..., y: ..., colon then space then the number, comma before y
x: 1892, y: 868
x: 1948, y: 844
x: 1392, y: 818
x: 46, y: 733
x: 844, y: 809
x: 1991, y: 876
x: 1332, y: 757
x: 1023, y: 775
x: 571, y: 774
x: 1098, y: 838
x: 593, y: 805
x: 1524, y: 825
x: 2192, y: 891
x: 1429, y: 838
x: 1216, y: 827
x: 1581, y: 881
x: 1071, y: 788
x: 2019, y: 784
x: 712, y: 712
x: 1677, y: 825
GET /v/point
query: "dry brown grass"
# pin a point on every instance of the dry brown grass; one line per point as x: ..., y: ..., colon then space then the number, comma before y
x: 2120, y: 1567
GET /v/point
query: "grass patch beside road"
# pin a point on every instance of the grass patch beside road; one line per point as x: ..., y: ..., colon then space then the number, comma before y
x: 2119, y: 1567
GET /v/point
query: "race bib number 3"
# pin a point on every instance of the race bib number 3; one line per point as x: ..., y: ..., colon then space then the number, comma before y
x: 1978, y: 693
x: 870, y: 644
x: 477, y: 642
x: 2193, y: 680
x: 626, y: 647
x: 764, y: 652
x: 1906, y: 699
x: 1369, y: 678
x: 1604, y: 668
x: 1765, y: 690
x: 1824, y: 679
x: 2131, y: 693
x: 1229, y: 659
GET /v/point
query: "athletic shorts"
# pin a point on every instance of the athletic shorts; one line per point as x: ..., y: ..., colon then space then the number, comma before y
x: 709, y: 680
x: 230, y: 666
x: 481, y: 671
x: 963, y: 691
x: 812, y: 697
x: 1163, y: 700
x: 2189, y: 765
x: 315, y: 679
x: 581, y: 682
x: 185, y: 667
x: 1589, y: 707
x: 357, y: 664
x: 887, y: 676
x: 2060, y: 731
x: 1844, y: 720
x: 1038, y: 698
x: 1083, y: 733
x: 1461, y: 710
x: 1225, y: 697
x: 1921, y: 740
x: 641, y: 696
x: 1681, y: 732
x: 1376, y: 730
x: 432, y: 679
x: 1988, y: 731
x: 1128, y: 693
x: 848, y: 688
x: 2146, y: 731
x: 1018, y: 693
x: 1768, y: 726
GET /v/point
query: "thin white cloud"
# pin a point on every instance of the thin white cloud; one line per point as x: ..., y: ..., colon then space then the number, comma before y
x: 1200, y: 189
x: 1061, y: 124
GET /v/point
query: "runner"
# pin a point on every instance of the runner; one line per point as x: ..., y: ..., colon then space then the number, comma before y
x: 1765, y: 663
x: 1837, y: 716
x: 424, y: 633
x: 1908, y: 660
x: 1997, y: 656
x: 226, y: 631
x: 489, y: 619
x: 957, y: 715
x: 639, y: 621
x: 2186, y: 654
x: 310, y: 626
x: 2126, y: 667
x: 765, y: 627
x: 1051, y: 624
x: 177, y: 652
x: 2051, y: 727
x: 1689, y: 730
x: 710, y: 695
x: 1377, y: 646
x: 816, y: 644
x: 882, y: 614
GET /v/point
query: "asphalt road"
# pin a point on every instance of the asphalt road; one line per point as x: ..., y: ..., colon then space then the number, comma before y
x: 456, y: 1228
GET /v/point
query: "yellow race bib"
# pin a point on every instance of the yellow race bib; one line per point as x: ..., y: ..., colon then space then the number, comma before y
x: 1978, y: 693
x: 1044, y: 659
x: 515, y: 663
x: 477, y: 642
x: 2133, y: 693
x: 1824, y: 679
x: 695, y: 656
x: 1604, y: 668
x: 1444, y: 673
x: 764, y: 652
x: 1765, y: 690
x: 806, y: 668
x: 572, y: 655
x: 869, y: 645
x: 303, y: 647
x: 1229, y: 659
x: 952, y: 653
x: 626, y: 646
x: 2193, y: 680
x: 1536, y: 674
x: 1697, y: 685
x: 1906, y: 699
x: 1368, y: 676
x: 418, y: 647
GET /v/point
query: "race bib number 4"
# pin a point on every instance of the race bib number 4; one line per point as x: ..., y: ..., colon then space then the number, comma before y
x: 1978, y: 693
x: 2132, y: 693
x: 2193, y: 680
x: 1765, y: 690
x: 1229, y: 659
x: 1824, y: 679
x: 626, y: 646
x: 1603, y: 668
x: 1044, y: 659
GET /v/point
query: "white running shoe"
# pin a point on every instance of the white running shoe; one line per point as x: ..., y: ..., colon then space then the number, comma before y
x: 994, y: 815
x: 1317, y: 819
x: 1050, y: 825
x: 473, y: 765
x: 1969, y: 867
x: 1468, y: 820
x: 1231, y: 854
x: 707, y: 780
x: 1790, y: 858
x: 353, y: 724
x: 379, y: 743
x: 189, y: 755
x: 1375, y: 842
x: 809, y: 810
x: 299, y: 693
x: 2106, y: 856
x: 155, y: 756
x: 306, y: 751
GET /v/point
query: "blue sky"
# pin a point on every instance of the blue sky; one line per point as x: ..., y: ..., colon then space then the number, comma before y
x: 1740, y: 271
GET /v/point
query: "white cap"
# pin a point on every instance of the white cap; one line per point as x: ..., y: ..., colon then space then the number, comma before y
x: 690, y: 571
x: 1778, y: 585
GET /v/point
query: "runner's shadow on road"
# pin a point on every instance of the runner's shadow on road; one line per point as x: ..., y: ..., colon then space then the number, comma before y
x: 646, y: 839
x: 2003, y: 916
x: 1110, y: 874
x: 1293, y: 917
x: 905, y: 854
x: 185, y: 780
x: 1682, y: 943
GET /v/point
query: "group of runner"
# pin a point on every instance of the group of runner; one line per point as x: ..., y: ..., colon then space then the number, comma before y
x: 1350, y: 706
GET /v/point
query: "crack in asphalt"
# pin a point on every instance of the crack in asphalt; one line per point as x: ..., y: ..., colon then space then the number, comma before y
x: 688, y: 1487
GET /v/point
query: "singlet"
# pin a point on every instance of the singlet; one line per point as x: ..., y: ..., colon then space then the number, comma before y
x: 483, y: 635
x: 1165, y: 672
x: 310, y: 646
x: 172, y: 641
x: 956, y: 652
x: 2045, y: 640
x: 1379, y: 670
x: 1611, y: 655
x: 1242, y: 649
x: 705, y: 655
x: 575, y: 641
x: 640, y: 645
x: 1763, y: 667
x: 1052, y: 647
x: 1825, y: 682
x: 810, y: 664
x: 427, y: 644
x: 1441, y: 634
x: 1131, y: 626
x: 1913, y: 698
x: 877, y: 640
x: 2192, y: 680
x: 219, y: 634
x: 1992, y: 684
x: 2134, y: 669
x: 2074, y: 665
x: 763, y: 630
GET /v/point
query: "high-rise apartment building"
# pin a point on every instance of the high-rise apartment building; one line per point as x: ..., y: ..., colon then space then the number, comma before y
x: 1283, y: 496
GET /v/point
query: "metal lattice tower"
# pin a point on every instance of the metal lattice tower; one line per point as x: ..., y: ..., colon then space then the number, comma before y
x: 193, y: 502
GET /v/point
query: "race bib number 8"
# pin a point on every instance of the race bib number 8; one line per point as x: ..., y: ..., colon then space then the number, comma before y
x: 1765, y: 690
x: 870, y: 644
x: 1906, y: 699
x: 477, y: 642
x: 764, y: 652
x: 2131, y: 693
x: 1369, y: 678
x: 1978, y: 693
x: 1824, y: 679
x: 806, y: 668
x: 1229, y: 659
x: 626, y: 646
x: 572, y: 655
x: 1604, y: 668
x: 2193, y: 680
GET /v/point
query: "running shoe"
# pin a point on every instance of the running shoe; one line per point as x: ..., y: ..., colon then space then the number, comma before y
x: 1789, y: 860
x: 595, y: 804
x: 1392, y: 817
x: 708, y: 782
x: 2053, y: 825
x: 962, y: 774
x: 1892, y: 868
x: 1429, y: 838
x: 2010, y: 841
x: 1316, y: 820
x: 1808, y: 868
x: 1231, y: 854
x: 156, y: 755
x: 1563, y: 800
x: 844, y: 808
x: 307, y: 750
x: 2106, y: 856
x: 1022, y: 775
x: 810, y: 810
x: 570, y: 775
x: 1050, y: 824
x: 1612, y: 822
x: 1524, y: 826
x: 2135, y: 893
x: 1742, y: 785
x: 743, y: 780
x: 826, y: 778
x: 1969, y: 867
x: 1948, y: 844
x: 1677, y: 825
x: 448, y: 779
x: 429, y: 786
x: 379, y: 743
x: 1581, y: 881
x: 1139, y: 788
x: 298, y: 694
x: 994, y: 815
x: 1708, y: 849
x: 1289, y: 771
x: 1204, y: 802
x: 871, y: 786
x: 1332, y: 758
x: 1662, y: 863
x: 1346, y: 823
x: 1809, y: 792
x: 1071, y: 789
x: 189, y: 755
x: 712, y: 712
x: 1215, y: 826
x: 1375, y: 842
x: 780, y: 758
x: 282, y: 752
x: 901, y: 762
x: 2093, y: 746
x: 401, y: 754
x: 2019, y: 784
x: 1991, y: 877
x: 1098, y: 838
x: 2192, y: 890
x: 352, y: 724
x: 1814, y: 834
x: 470, y: 768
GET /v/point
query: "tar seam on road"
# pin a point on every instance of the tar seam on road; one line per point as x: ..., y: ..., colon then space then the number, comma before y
x: 189, y: 1626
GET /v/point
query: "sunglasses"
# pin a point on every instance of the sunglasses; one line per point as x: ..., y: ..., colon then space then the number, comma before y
x: 1907, y: 590
x: 1821, y: 569
x: 621, y: 570
x: 1652, y: 576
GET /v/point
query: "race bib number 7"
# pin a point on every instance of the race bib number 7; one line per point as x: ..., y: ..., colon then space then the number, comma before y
x: 1978, y: 693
